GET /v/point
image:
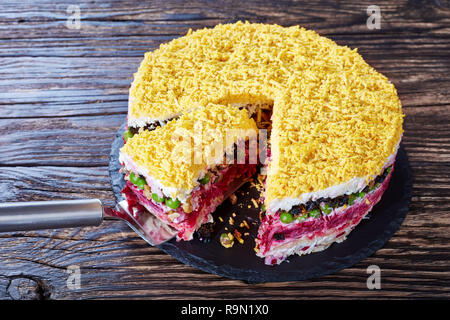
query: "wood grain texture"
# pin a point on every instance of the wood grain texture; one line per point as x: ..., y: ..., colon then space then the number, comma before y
x: 60, y: 87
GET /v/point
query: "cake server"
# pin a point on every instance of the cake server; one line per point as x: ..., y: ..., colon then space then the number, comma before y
x: 35, y: 215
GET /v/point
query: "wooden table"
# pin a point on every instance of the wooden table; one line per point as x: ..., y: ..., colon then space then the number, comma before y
x: 64, y: 95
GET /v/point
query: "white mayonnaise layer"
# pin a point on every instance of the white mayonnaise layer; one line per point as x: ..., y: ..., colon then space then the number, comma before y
x: 314, y: 245
x: 159, y: 188
x: 354, y: 185
x: 143, y: 121
x: 155, y: 185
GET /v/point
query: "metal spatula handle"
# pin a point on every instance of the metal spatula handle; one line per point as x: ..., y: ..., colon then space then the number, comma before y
x: 25, y: 216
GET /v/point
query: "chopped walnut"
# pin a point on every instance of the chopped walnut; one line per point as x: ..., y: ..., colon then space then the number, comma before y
x: 233, y: 199
x: 147, y: 192
x: 187, y: 206
x: 261, y: 178
x: 227, y: 240
x: 172, y: 216
x: 238, y: 236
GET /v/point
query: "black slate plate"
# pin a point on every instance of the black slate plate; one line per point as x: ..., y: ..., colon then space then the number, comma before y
x: 240, y: 262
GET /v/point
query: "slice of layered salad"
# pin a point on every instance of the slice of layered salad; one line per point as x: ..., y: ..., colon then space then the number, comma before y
x: 182, y: 171
x: 314, y: 225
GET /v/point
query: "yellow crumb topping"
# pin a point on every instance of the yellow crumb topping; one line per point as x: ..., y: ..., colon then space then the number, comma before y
x: 334, y: 116
x: 178, y: 153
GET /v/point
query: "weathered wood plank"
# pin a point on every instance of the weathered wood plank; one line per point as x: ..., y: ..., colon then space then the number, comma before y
x: 80, y: 141
x: 60, y: 88
x: 55, y: 183
x: 143, y: 18
x: 86, y: 140
x: 370, y: 45
x: 116, y: 254
x: 112, y: 251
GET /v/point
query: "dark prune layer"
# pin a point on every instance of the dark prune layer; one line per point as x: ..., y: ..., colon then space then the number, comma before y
x: 205, y: 232
x: 338, y: 201
x: 151, y: 126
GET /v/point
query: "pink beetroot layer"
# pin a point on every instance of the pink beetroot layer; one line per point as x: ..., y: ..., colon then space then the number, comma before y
x: 208, y: 197
x: 316, y: 227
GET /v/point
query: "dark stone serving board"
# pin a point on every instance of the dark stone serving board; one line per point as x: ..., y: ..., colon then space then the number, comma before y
x: 240, y: 262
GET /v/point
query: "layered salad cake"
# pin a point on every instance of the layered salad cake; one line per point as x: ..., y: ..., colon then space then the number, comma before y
x: 182, y: 171
x: 334, y: 126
